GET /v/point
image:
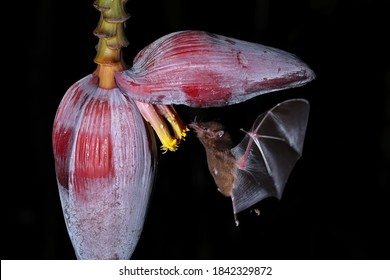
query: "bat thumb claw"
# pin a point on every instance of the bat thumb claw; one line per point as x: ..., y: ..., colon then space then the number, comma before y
x: 243, y: 130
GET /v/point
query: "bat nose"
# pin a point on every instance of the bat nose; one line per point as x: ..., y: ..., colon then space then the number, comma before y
x: 195, y: 126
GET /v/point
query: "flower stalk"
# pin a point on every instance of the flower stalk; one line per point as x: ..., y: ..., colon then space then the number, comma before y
x: 110, y: 31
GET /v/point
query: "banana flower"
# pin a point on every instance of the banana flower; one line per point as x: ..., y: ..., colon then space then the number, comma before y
x: 104, y: 151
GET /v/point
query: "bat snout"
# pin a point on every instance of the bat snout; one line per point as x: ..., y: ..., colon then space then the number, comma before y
x: 197, y: 127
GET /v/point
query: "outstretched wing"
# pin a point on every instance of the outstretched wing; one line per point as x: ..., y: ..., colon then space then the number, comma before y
x: 268, y: 153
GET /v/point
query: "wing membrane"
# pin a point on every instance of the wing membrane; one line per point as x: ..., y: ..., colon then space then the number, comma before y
x: 268, y: 153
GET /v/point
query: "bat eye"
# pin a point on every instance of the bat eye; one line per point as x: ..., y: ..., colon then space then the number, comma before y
x: 205, y: 129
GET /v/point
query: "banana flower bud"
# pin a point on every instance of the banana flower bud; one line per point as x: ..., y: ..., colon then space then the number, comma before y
x: 105, y: 168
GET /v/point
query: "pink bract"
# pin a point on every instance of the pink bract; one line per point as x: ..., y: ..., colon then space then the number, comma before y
x: 105, y: 167
x: 201, y: 69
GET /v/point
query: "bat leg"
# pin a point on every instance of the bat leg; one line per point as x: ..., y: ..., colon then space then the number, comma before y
x: 236, y: 220
x: 235, y: 216
x: 257, y: 211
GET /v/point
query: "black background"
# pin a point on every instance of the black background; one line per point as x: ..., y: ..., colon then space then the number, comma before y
x: 336, y: 202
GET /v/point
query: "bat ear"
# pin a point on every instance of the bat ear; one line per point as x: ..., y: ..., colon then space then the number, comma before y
x: 220, y: 133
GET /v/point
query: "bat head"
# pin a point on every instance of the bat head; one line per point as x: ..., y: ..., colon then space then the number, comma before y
x: 212, y: 134
x: 211, y: 130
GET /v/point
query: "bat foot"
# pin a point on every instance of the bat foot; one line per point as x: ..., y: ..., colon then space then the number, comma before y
x: 236, y: 220
x: 257, y: 211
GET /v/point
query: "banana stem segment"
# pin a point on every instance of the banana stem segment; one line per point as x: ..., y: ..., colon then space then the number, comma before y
x: 110, y: 31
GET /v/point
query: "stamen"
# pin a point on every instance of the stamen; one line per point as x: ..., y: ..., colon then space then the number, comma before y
x: 173, y: 118
x: 154, y: 115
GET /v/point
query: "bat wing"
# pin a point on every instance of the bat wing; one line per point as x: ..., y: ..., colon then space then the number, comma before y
x: 268, y: 153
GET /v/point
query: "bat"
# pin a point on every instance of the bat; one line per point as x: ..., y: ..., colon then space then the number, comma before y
x: 259, y: 166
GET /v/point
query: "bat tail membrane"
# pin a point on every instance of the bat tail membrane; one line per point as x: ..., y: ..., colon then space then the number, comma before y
x: 268, y: 153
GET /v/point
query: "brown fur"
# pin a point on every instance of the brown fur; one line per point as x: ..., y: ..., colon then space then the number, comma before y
x: 221, y: 163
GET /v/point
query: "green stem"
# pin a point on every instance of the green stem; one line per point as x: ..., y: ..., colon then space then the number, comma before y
x: 112, y: 39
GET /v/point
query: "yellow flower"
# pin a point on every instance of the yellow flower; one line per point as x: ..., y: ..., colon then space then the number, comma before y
x: 170, y: 135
